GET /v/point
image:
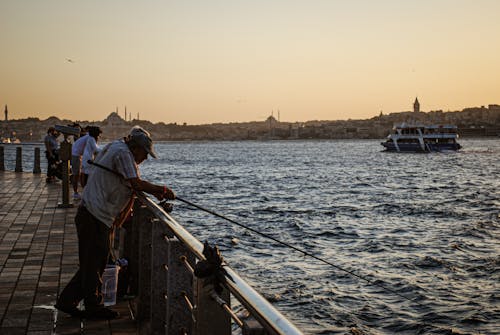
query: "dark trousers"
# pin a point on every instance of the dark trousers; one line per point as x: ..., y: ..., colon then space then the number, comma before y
x: 51, y: 164
x: 93, y: 252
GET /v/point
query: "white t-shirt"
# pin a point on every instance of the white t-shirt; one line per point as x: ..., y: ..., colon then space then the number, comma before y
x: 89, y: 152
x: 79, y: 145
x: 107, y: 194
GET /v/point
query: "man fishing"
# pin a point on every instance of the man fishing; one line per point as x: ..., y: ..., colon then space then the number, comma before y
x: 106, y: 201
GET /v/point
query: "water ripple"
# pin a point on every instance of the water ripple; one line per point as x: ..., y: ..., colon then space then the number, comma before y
x: 426, y: 226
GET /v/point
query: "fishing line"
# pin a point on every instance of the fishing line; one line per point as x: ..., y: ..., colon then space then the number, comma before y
x: 295, y: 248
x: 288, y: 245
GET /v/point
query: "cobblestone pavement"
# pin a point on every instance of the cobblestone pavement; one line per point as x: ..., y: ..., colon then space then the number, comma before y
x: 38, y: 256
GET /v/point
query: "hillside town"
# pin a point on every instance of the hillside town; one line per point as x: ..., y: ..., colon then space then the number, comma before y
x: 471, y: 122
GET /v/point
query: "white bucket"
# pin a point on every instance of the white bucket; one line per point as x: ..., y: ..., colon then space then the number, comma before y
x: 110, y: 284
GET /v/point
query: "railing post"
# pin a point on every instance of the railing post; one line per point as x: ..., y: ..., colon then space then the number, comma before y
x: 144, y: 287
x: 36, y: 165
x: 19, y: 159
x: 2, y: 164
x: 159, y: 277
x: 131, y: 249
x: 179, y: 317
x: 252, y: 327
x: 65, y: 156
x: 211, y: 319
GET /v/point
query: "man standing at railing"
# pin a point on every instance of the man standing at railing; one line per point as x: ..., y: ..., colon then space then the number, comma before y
x: 51, y: 148
x: 106, y: 201
x: 89, y: 152
x: 76, y: 160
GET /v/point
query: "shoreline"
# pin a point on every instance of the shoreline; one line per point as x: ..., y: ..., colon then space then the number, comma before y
x: 264, y: 140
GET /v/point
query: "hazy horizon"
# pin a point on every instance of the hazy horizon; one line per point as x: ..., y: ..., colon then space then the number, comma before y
x: 134, y: 118
x: 232, y: 61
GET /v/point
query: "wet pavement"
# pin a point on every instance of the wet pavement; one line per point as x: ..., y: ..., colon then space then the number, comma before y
x: 38, y: 256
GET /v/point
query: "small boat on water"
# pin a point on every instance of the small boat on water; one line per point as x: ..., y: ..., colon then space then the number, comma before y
x: 421, y: 138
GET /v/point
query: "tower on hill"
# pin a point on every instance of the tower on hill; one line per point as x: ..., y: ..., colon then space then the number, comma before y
x: 416, y: 106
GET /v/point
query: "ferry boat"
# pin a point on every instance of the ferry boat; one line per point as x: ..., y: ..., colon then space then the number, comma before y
x: 422, y: 138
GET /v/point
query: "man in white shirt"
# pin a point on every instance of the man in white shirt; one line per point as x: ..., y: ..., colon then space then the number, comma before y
x: 104, y: 199
x: 91, y: 149
x: 76, y: 161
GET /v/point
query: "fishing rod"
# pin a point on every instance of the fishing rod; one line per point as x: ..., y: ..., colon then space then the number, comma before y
x: 288, y: 245
x: 306, y: 253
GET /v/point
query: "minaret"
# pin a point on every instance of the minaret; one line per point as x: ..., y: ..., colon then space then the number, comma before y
x: 416, y: 106
x: 6, y: 114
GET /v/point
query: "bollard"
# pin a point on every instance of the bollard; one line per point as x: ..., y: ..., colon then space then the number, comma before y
x: 65, y: 156
x: 2, y: 165
x: 19, y: 159
x: 36, y: 165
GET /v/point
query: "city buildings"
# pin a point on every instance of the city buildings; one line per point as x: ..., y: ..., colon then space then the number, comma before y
x: 472, y: 121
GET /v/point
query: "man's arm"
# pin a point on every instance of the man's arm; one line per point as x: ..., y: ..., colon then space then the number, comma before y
x: 159, y: 191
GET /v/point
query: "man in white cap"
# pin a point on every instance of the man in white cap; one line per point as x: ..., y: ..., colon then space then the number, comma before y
x: 105, y: 199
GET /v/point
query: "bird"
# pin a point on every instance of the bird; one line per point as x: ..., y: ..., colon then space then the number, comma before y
x: 70, y: 60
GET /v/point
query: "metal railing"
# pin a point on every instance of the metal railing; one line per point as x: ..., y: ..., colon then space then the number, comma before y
x: 170, y: 299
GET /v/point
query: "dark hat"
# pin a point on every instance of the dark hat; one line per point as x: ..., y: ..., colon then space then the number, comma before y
x: 95, y: 131
x: 143, y: 139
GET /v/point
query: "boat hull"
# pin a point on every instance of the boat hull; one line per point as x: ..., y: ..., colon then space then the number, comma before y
x: 415, y: 147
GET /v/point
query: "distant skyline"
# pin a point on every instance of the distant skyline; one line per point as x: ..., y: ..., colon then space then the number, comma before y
x: 205, y: 62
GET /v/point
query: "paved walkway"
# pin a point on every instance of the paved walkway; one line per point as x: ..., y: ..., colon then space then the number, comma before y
x: 38, y: 256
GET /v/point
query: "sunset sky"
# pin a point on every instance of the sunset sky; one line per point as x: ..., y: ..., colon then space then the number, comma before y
x: 235, y: 61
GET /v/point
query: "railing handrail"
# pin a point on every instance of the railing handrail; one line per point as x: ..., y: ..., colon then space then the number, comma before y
x: 257, y: 305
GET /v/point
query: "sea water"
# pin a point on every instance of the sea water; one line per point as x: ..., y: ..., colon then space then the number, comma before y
x: 424, y: 225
